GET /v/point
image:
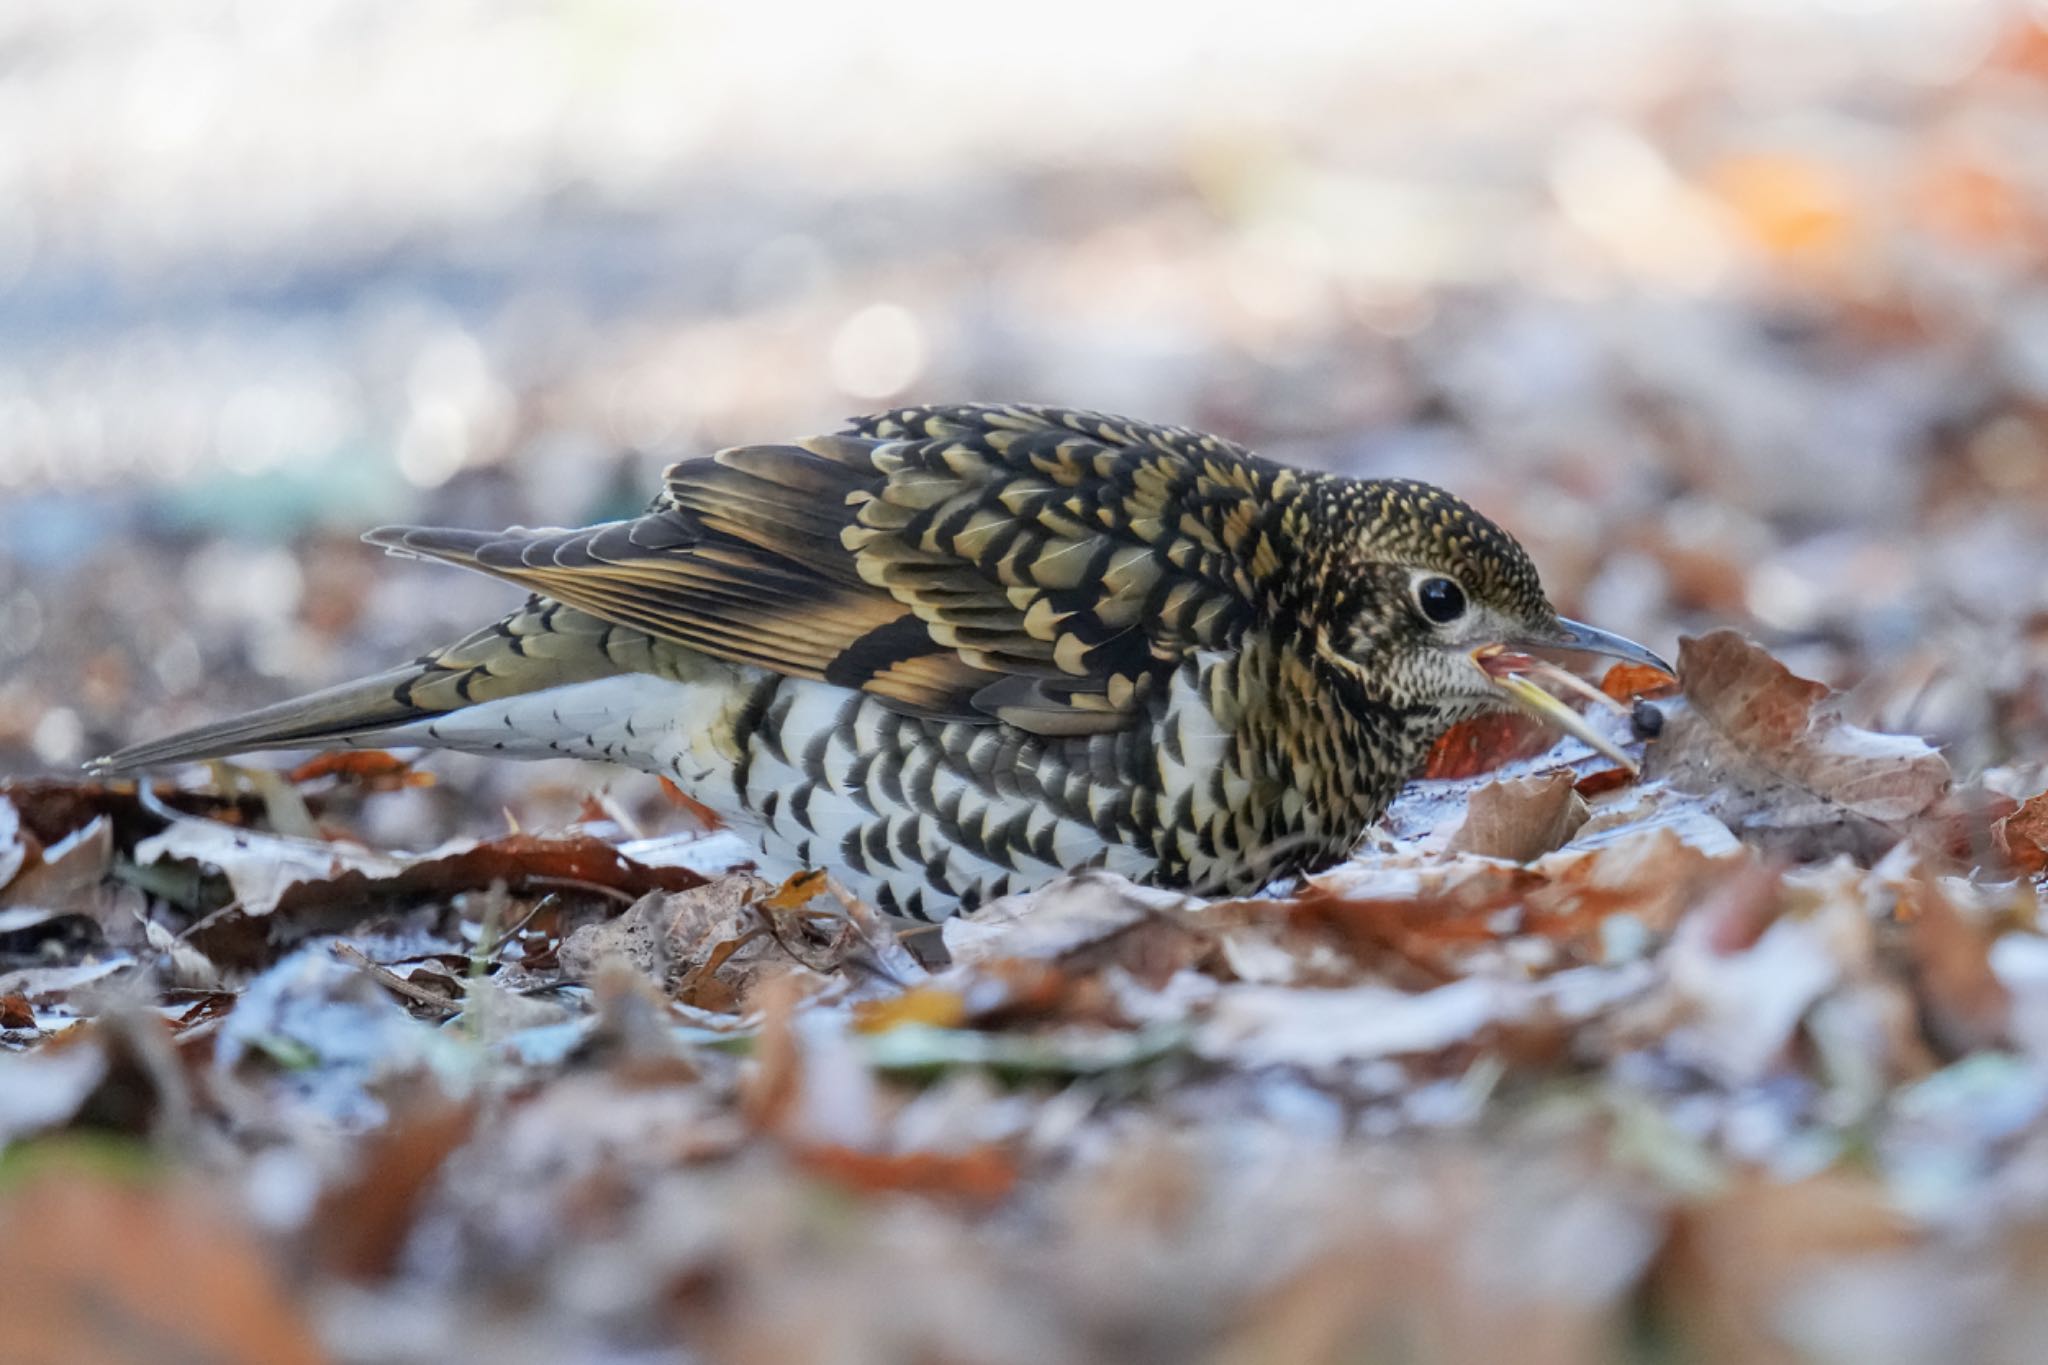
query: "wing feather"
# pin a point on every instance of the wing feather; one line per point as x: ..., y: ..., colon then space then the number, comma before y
x: 1040, y: 566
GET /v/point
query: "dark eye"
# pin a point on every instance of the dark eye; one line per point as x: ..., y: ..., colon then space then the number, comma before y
x: 1441, y: 600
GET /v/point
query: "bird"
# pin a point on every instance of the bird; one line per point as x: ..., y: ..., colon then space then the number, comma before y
x: 951, y: 652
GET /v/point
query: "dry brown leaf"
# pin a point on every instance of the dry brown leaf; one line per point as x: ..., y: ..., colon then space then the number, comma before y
x: 1062, y: 918
x: 1767, y: 750
x: 1626, y: 682
x: 2022, y: 836
x: 708, y: 947
x: 15, y: 1012
x: 1521, y: 818
x: 94, y: 1268
x: 371, y: 769
x: 979, y: 1175
x: 1964, y: 1007
x: 703, y: 814
x: 771, y: 1087
x: 361, y: 1224
x: 64, y: 878
x: 317, y: 882
x: 1732, y: 1264
x: 1484, y: 743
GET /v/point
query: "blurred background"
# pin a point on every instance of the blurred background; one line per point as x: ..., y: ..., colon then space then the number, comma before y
x: 1735, y: 313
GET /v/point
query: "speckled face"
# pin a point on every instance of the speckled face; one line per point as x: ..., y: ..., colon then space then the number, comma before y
x: 1425, y: 582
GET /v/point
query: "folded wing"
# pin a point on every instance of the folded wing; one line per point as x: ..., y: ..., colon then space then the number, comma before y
x: 1044, y: 567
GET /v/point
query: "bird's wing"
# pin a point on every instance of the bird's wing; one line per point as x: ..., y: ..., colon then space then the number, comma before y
x: 1039, y: 566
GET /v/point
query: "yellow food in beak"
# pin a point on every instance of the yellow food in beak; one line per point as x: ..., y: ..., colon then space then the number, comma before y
x: 1514, y: 674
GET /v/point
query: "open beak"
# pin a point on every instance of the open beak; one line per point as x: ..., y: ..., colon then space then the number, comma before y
x: 1515, y: 674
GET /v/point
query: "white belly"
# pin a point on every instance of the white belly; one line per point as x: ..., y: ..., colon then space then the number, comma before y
x: 899, y: 809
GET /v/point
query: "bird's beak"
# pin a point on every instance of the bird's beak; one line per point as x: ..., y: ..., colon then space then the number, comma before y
x: 1514, y: 673
x: 1581, y: 638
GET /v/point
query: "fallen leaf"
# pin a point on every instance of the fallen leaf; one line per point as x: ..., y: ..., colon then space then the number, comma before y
x: 1768, y: 751
x: 332, y: 885
x: 1964, y: 827
x: 1733, y: 1263
x: 2022, y: 836
x: 1626, y: 682
x: 361, y: 1225
x: 371, y: 769
x: 930, y: 1005
x: 1484, y: 743
x: 979, y: 1175
x: 703, y: 814
x: 797, y: 892
x: 96, y: 1268
x: 1426, y: 919
x: 64, y: 877
x: 705, y: 946
x: 1521, y: 818
x: 1964, y: 1007
x: 1058, y: 919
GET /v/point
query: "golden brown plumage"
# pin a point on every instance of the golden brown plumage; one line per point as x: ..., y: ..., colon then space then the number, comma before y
x: 952, y: 650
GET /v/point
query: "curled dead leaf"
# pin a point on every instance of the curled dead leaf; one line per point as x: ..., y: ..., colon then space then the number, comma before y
x: 798, y: 891
x: 1770, y: 751
x: 1626, y: 682
x: 1521, y: 818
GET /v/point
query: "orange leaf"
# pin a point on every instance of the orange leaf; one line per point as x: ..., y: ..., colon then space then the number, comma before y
x: 1605, y: 780
x: 15, y: 1012
x: 1480, y: 745
x: 797, y: 892
x: 703, y: 814
x: 923, y: 1005
x: 92, y: 1268
x: 2023, y: 836
x: 371, y: 768
x: 1626, y: 682
x: 982, y: 1175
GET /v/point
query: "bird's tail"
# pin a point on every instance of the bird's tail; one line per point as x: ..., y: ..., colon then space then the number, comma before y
x: 542, y: 645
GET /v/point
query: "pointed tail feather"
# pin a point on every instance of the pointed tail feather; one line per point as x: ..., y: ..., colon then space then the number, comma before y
x: 334, y: 715
x: 541, y: 645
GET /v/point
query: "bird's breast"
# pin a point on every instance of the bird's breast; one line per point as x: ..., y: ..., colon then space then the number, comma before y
x: 1220, y: 788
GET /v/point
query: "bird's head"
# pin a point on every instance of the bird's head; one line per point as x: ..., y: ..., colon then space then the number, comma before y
x: 1433, y: 607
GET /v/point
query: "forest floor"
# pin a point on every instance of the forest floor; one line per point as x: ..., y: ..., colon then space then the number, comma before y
x: 1744, y: 1059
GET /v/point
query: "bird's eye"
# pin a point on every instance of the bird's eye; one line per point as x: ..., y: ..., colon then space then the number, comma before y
x: 1441, y: 599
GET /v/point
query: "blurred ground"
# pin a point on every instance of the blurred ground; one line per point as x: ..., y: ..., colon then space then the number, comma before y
x: 1735, y: 314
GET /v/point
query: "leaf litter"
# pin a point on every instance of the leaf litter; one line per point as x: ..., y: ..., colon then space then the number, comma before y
x: 1611, y: 1022
x: 1745, y: 1060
